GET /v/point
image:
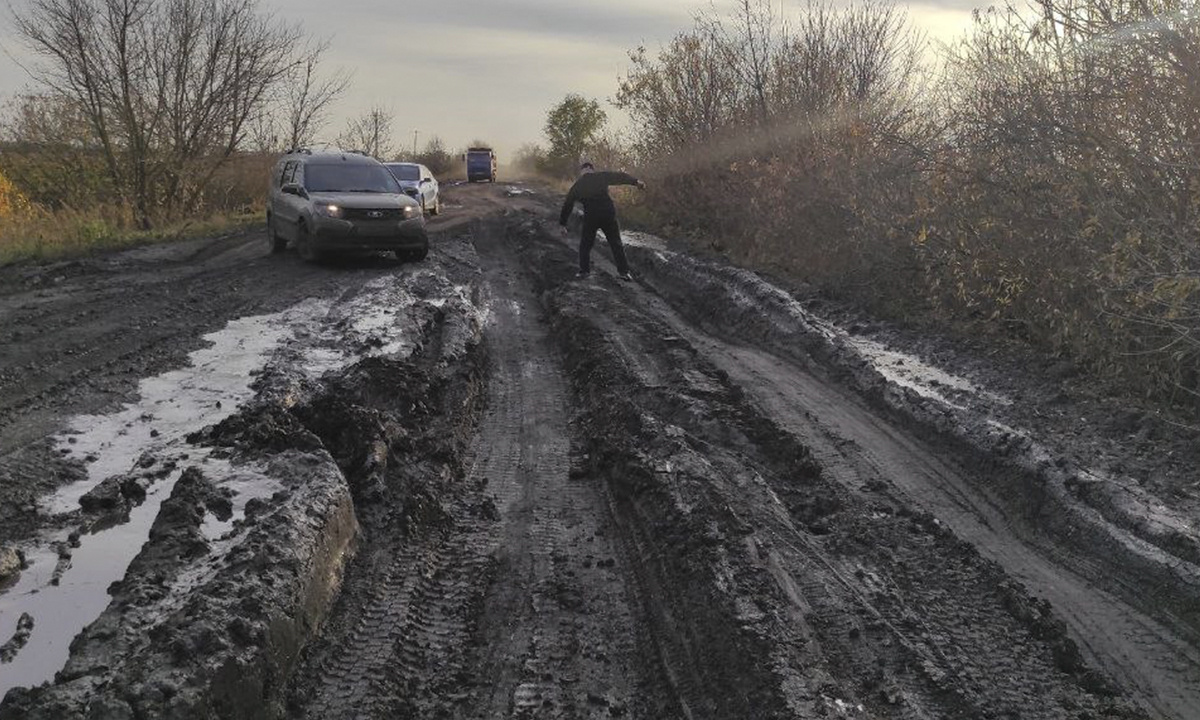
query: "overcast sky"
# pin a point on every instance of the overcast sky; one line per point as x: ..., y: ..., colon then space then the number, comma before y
x: 487, y: 69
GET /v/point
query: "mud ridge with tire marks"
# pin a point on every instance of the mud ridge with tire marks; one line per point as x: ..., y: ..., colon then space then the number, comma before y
x: 1125, y: 584
x: 918, y: 625
x: 515, y: 601
x: 206, y: 624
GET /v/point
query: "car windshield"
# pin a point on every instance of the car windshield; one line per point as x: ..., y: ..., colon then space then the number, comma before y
x: 349, y: 177
x: 405, y: 172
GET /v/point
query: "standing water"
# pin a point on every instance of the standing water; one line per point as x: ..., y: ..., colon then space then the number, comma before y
x: 64, y: 596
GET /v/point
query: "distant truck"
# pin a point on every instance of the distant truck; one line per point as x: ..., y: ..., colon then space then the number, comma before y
x: 481, y: 164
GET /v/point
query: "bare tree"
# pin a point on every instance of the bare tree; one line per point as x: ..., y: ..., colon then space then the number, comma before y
x: 169, y: 87
x: 750, y: 39
x: 308, y: 96
x: 370, y: 133
x: 685, y: 95
x: 219, y: 62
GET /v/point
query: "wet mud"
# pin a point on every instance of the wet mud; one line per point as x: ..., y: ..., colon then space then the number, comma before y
x: 478, y: 488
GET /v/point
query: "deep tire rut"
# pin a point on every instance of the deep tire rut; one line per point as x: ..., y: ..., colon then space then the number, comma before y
x: 860, y: 450
x: 517, y: 603
x: 870, y: 600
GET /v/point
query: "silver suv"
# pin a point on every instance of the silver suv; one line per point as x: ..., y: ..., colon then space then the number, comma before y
x: 332, y: 202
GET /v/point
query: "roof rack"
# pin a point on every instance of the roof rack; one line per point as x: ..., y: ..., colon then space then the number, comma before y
x: 299, y: 151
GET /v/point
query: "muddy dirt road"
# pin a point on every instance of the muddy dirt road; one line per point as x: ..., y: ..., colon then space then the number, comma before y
x: 234, y: 485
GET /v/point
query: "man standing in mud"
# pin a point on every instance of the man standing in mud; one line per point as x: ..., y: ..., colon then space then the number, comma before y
x: 599, y: 213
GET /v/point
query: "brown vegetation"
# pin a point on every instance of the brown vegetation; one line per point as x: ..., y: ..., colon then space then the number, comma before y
x: 1044, y: 185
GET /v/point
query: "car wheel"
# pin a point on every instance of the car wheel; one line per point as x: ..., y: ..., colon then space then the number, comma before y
x: 412, y: 255
x: 277, y: 243
x: 424, y: 210
x: 304, y: 245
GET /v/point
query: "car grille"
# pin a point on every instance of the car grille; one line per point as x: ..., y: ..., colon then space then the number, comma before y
x: 373, y: 213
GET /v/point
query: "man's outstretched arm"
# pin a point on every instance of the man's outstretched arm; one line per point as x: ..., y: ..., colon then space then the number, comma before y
x: 613, y: 177
x: 568, y: 206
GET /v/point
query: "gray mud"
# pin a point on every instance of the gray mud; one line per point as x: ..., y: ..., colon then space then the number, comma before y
x: 477, y: 488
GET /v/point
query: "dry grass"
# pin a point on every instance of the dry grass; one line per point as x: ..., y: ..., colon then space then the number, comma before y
x: 42, y: 236
x: 12, y: 201
x: 38, y: 225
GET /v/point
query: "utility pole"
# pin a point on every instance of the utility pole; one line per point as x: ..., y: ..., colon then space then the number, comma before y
x: 415, y: 134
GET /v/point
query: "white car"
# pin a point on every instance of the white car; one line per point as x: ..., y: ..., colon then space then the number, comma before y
x: 418, y: 183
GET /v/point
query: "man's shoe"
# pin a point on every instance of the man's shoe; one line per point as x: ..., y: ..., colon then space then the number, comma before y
x: 626, y: 277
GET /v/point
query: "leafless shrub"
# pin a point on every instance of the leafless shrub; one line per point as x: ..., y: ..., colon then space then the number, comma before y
x: 1064, y: 204
x: 370, y: 133
x: 1044, y: 188
x: 530, y: 161
x: 436, y: 157
x: 800, y: 155
x: 684, y: 96
x: 169, y: 88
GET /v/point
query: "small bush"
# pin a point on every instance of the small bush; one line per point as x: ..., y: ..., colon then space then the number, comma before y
x: 12, y: 202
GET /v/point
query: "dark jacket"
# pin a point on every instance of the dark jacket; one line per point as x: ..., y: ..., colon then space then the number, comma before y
x: 591, y: 189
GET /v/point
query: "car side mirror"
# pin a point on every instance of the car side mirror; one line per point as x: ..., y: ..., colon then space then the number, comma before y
x: 427, y: 180
x: 295, y: 189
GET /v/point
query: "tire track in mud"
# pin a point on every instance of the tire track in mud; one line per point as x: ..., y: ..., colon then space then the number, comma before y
x: 514, y: 604
x: 1148, y: 658
x: 397, y: 631
x: 867, y: 603
x: 556, y: 637
x: 1141, y: 654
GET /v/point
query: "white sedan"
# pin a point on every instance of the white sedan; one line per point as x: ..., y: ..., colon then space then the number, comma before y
x: 419, y: 183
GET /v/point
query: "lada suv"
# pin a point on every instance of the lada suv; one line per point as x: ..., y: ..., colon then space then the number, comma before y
x: 327, y: 203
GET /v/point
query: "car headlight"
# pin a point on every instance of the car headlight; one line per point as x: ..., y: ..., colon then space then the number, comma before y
x: 411, y: 211
x: 332, y: 211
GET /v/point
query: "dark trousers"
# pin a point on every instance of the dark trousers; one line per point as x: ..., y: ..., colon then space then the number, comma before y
x: 612, y: 233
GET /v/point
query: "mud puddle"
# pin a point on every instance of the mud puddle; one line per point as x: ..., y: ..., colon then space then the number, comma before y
x: 66, y: 584
x: 910, y: 372
x: 135, y: 456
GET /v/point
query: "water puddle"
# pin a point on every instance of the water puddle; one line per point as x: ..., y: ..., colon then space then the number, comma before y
x: 64, y: 588
x: 246, y: 482
x: 63, y: 604
x: 909, y: 371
